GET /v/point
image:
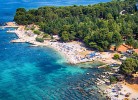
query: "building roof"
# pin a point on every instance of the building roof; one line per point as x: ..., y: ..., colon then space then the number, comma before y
x: 121, y: 48
x: 136, y: 51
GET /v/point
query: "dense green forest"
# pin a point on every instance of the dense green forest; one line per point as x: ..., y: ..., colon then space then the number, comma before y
x: 98, y: 26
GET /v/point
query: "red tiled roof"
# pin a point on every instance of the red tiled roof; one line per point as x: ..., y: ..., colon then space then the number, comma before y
x: 121, y: 48
x: 136, y: 50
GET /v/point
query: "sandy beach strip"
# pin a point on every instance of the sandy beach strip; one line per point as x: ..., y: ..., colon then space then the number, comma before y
x: 75, y: 52
x: 68, y: 50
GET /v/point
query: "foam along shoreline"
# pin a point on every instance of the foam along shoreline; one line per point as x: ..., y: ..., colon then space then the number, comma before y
x: 74, y: 52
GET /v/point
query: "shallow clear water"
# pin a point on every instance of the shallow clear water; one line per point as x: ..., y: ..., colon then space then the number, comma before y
x: 40, y: 73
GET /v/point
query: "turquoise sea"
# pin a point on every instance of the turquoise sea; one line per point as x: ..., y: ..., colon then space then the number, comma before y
x: 40, y: 73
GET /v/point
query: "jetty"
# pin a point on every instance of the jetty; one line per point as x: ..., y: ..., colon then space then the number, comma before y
x: 8, y: 26
x: 11, y: 31
x: 103, y: 66
x: 18, y: 41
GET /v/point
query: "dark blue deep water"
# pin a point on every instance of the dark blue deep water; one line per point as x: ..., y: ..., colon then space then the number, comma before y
x: 40, y: 73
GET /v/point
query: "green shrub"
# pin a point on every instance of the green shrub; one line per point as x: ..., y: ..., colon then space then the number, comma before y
x: 39, y: 39
x: 135, y: 45
x: 107, y: 67
x: 113, y: 79
x: 32, y: 28
x: 116, y: 56
x: 37, y: 32
x: 46, y: 36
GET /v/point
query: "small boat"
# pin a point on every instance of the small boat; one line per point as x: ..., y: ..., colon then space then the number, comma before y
x: 33, y: 45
